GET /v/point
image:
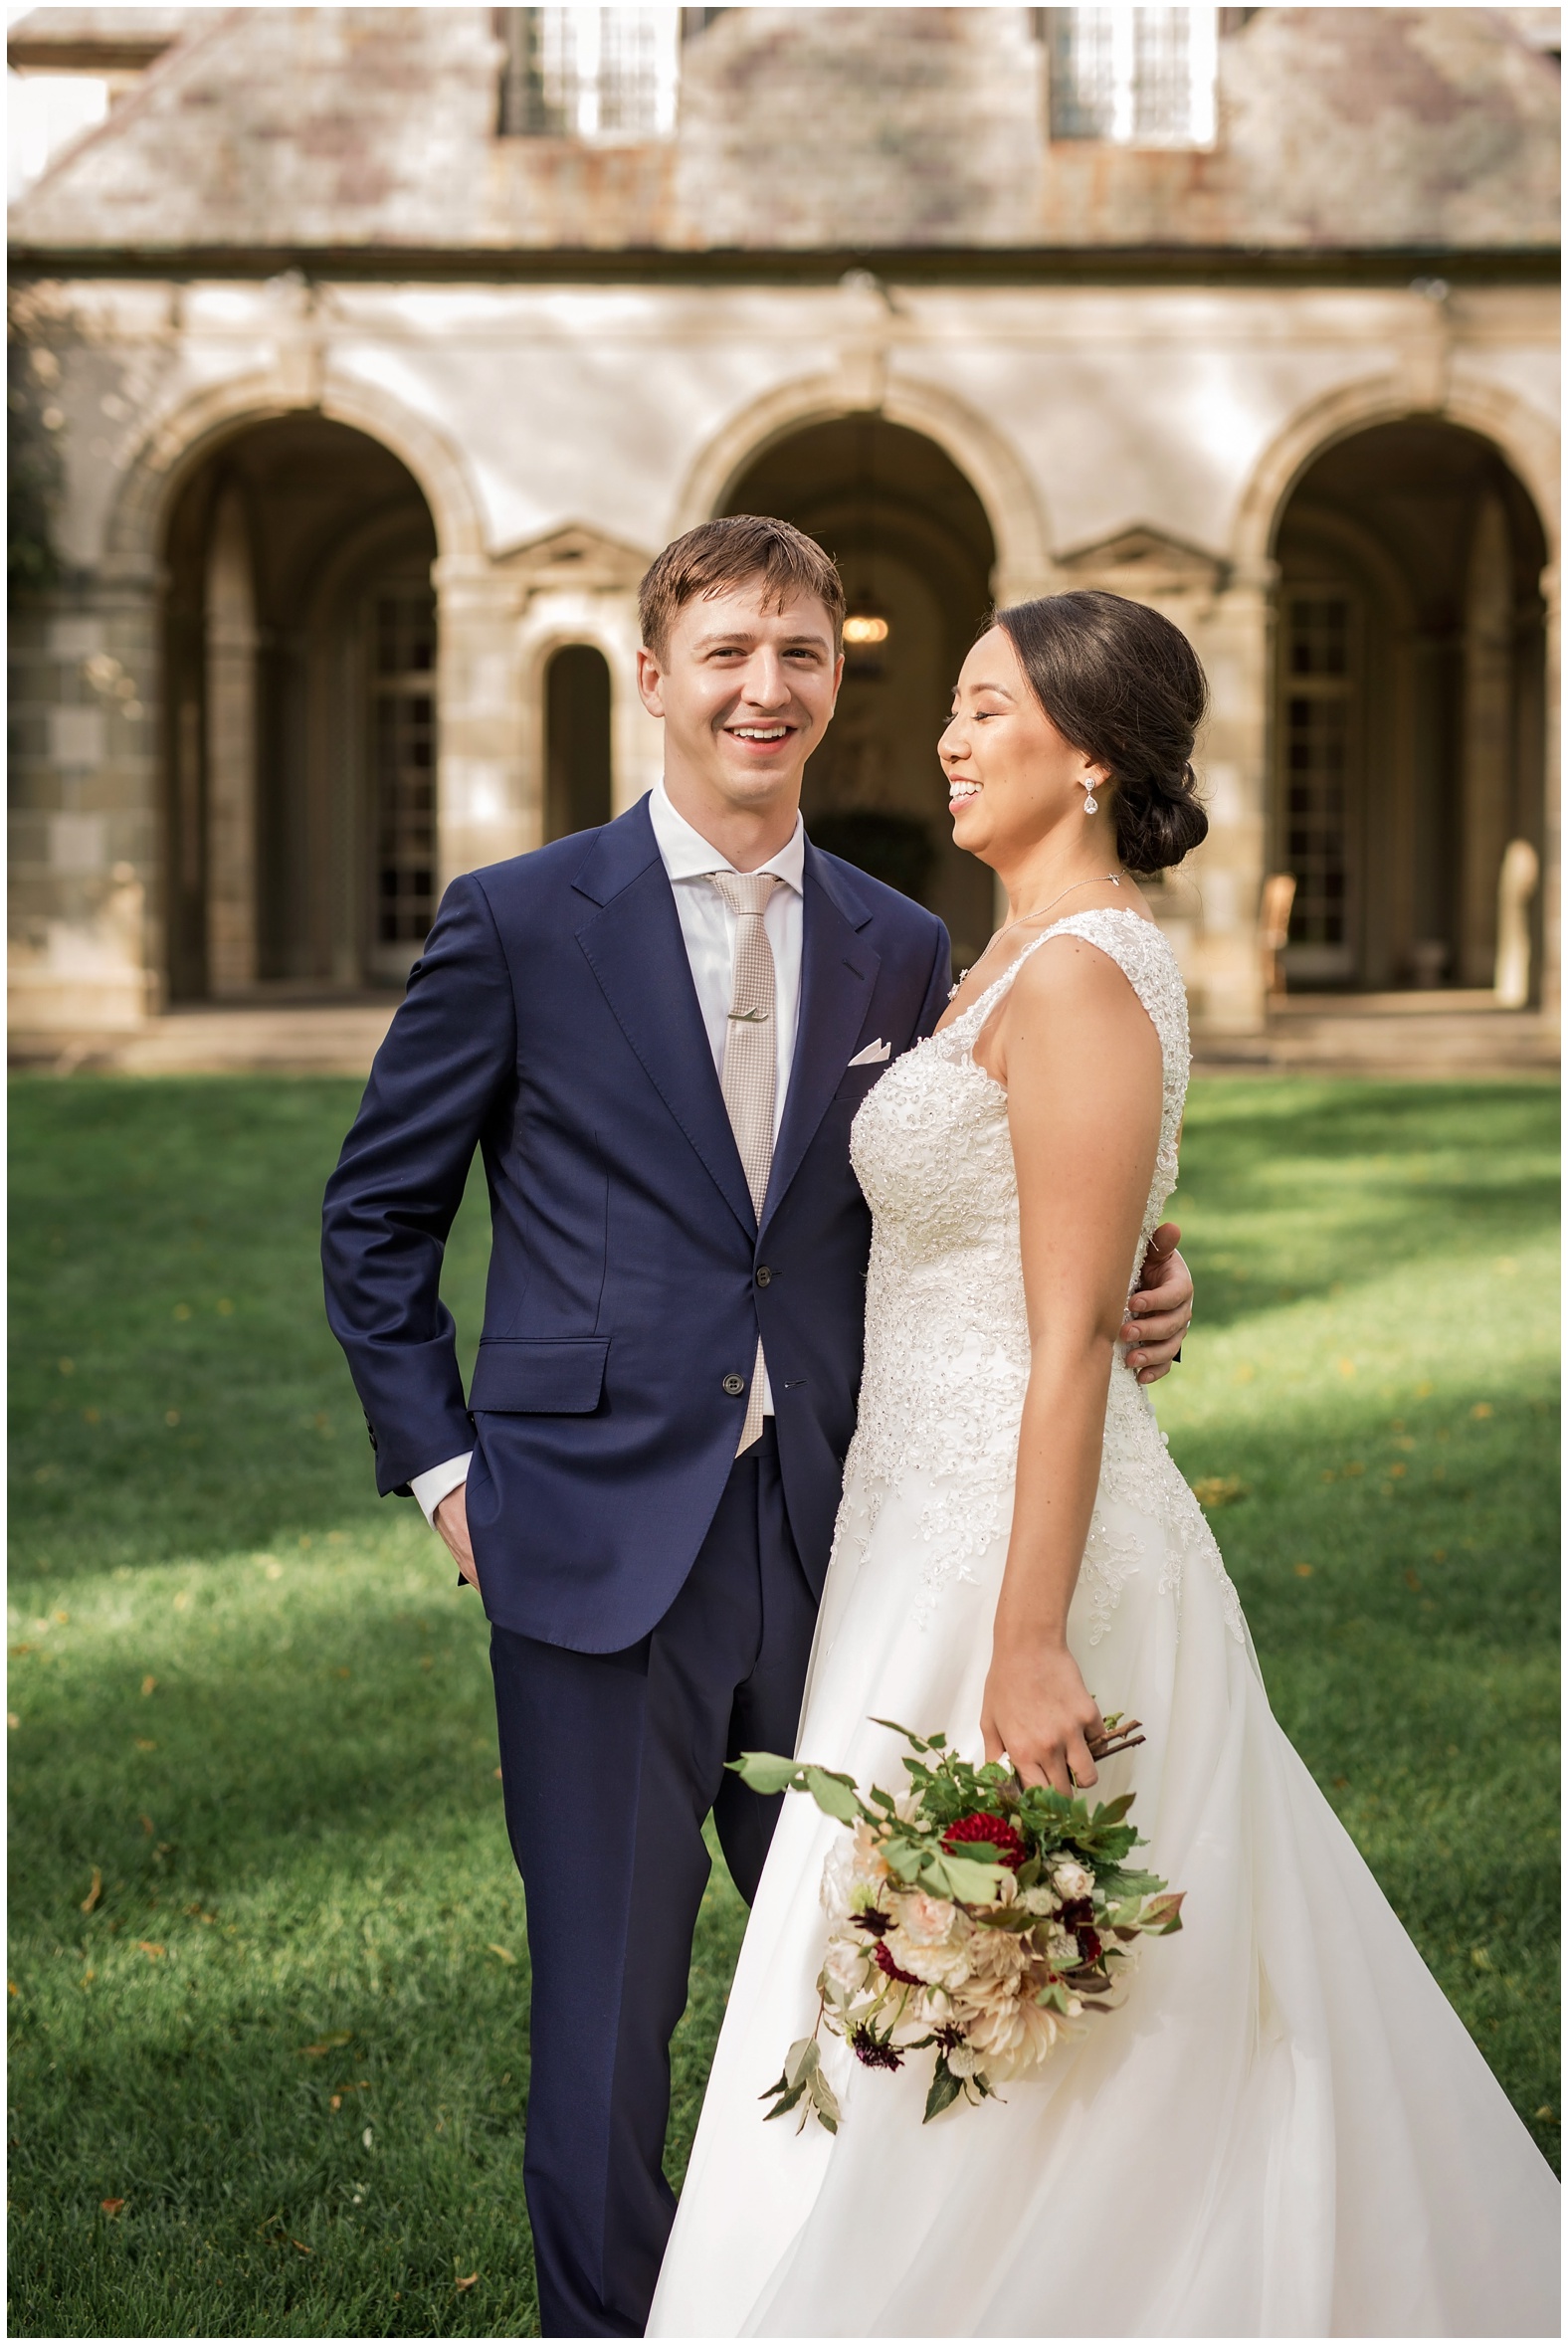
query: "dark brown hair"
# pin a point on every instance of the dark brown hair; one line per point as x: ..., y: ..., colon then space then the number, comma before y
x: 720, y: 554
x: 1125, y: 685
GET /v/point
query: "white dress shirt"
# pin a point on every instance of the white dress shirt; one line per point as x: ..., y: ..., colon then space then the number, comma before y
x: 708, y: 928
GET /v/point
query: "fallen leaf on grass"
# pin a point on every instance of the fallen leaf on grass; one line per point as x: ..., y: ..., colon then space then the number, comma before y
x: 304, y: 2250
x: 1219, y: 1490
x: 468, y: 2283
x: 327, y: 2044
x: 112, y: 2207
x: 1482, y: 1409
x: 502, y: 1951
x: 12, y: 1988
x: 143, y: 1744
x: 150, y: 1948
x: 95, y: 1893
x: 12, y: 1721
x: 148, y: 1685
x: 146, y: 1825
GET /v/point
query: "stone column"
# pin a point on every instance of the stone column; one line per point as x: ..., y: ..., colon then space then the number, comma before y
x: 87, y: 952
x: 1486, y: 739
x: 230, y: 752
x: 1552, y: 828
x: 1237, y: 645
x: 481, y: 812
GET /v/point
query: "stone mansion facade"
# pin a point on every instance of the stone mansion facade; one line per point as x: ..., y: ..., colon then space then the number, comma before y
x: 361, y: 358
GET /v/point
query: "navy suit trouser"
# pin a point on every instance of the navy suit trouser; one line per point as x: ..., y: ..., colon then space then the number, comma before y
x: 610, y: 1764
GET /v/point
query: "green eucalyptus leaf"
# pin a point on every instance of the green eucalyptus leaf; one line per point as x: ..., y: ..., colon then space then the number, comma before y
x: 833, y: 1794
x: 785, y: 2103
x: 969, y: 1883
x: 945, y: 2089
x: 801, y: 2059
x: 764, y: 1771
x: 824, y: 2101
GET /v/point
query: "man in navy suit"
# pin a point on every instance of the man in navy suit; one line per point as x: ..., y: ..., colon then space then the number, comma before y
x: 658, y: 1033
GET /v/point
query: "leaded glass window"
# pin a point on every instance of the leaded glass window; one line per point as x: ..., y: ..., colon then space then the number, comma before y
x: 589, y: 73
x: 1133, y: 77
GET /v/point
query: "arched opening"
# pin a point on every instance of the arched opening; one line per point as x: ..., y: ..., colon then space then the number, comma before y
x: 912, y: 541
x: 576, y: 740
x: 1410, y: 712
x: 302, y: 715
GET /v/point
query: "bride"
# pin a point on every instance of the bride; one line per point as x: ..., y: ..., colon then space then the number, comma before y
x: 1286, y: 2131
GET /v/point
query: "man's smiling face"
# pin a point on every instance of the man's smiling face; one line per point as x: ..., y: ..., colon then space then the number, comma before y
x: 746, y: 690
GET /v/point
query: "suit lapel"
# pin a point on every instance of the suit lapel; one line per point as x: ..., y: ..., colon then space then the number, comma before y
x: 837, y: 972
x: 634, y: 947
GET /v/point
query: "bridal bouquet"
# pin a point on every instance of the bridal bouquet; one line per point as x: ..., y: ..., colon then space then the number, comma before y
x: 968, y: 1915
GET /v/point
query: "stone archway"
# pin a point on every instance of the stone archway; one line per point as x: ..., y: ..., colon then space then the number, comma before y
x: 1008, y: 493
x: 1409, y: 705
x: 915, y: 549
x: 300, y: 670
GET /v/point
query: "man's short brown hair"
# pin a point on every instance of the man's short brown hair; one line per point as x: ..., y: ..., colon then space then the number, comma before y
x: 731, y: 553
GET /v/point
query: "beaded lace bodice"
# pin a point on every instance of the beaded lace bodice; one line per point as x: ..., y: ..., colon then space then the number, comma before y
x: 947, y: 1349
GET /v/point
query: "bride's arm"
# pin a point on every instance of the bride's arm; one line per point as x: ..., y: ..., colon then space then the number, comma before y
x: 1082, y: 1066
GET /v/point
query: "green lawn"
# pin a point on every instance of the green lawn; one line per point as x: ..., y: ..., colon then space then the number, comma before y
x: 269, y: 1977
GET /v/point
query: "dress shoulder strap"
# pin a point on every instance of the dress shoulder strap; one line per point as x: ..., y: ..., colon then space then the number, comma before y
x: 1142, y: 953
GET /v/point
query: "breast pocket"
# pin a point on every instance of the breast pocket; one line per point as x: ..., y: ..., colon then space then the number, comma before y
x: 557, y: 1376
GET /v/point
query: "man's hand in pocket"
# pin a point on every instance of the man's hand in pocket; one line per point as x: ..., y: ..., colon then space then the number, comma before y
x: 452, y: 1521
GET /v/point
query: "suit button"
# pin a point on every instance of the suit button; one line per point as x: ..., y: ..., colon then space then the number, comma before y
x: 764, y: 1275
x: 734, y: 1385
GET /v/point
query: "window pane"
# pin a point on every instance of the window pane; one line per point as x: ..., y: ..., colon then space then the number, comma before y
x: 590, y: 73
x: 1133, y: 77
x: 1318, y: 717
x: 403, y: 765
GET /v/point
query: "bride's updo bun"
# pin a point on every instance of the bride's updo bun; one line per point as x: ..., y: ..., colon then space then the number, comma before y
x: 1125, y: 686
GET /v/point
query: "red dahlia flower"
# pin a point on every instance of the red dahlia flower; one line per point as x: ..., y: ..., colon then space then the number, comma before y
x: 1000, y: 1843
x: 885, y: 1962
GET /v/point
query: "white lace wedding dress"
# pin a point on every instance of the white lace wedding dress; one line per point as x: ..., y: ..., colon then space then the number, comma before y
x: 1287, y: 2131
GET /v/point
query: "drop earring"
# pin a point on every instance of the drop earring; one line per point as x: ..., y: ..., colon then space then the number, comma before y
x: 1090, y: 802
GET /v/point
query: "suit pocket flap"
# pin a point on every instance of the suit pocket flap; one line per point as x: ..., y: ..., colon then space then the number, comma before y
x: 562, y: 1378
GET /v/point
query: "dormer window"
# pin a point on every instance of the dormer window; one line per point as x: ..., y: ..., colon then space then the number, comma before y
x: 601, y: 74
x: 1133, y: 77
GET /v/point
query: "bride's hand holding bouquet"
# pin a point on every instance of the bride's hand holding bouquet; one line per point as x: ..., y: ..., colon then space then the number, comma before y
x: 1038, y: 1713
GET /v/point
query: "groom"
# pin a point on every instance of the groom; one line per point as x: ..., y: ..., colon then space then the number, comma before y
x: 658, y: 1033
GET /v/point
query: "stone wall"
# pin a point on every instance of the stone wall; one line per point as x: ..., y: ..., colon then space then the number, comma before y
x: 1144, y: 440
x: 806, y: 130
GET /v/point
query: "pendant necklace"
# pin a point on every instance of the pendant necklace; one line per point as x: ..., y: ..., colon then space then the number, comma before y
x: 1113, y: 879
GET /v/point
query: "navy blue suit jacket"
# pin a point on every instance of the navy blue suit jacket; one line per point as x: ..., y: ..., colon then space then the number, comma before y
x: 552, y: 1021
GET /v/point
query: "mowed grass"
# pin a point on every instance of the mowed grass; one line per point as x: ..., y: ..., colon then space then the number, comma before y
x: 269, y: 1972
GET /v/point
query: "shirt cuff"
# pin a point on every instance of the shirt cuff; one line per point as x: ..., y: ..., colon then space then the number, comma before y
x: 437, y: 1482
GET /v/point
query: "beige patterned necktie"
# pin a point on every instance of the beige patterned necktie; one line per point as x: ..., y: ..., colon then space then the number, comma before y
x: 750, y: 1078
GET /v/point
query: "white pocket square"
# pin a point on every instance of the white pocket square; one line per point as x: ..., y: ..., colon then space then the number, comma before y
x: 872, y: 1055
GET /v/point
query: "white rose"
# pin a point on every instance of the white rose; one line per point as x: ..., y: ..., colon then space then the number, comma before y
x: 942, y: 1967
x: 1071, y: 1879
x: 928, y: 1921
x: 844, y: 1963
